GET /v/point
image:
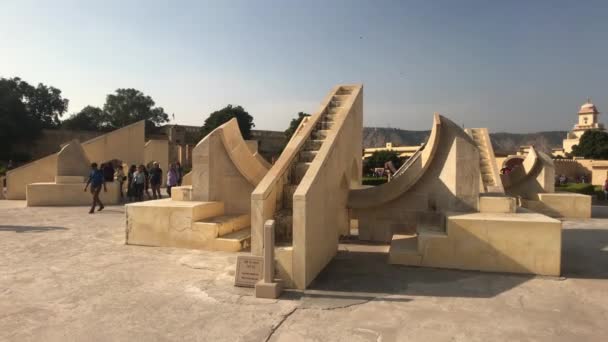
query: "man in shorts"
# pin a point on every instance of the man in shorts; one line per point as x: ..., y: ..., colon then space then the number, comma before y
x: 96, y: 180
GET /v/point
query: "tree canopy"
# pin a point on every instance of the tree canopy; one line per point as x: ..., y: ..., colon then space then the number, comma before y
x: 123, y: 108
x: 25, y: 110
x: 43, y: 103
x: 293, y: 125
x: 592, y: 145
x: 130, y: 105
x: 88, y: 119
x: 224, y: 115
x: 379, y: 158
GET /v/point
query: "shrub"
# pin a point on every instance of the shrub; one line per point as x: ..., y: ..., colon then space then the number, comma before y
x: 579, y: 188
x: 374, y: 180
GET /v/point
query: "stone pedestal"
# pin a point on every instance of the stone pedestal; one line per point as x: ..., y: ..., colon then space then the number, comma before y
x: 267, y: 288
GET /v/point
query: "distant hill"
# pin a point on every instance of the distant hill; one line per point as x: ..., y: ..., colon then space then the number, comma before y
x: 503, y: 143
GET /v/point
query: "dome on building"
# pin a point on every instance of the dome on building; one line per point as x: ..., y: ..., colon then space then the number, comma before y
x: 588, y: 108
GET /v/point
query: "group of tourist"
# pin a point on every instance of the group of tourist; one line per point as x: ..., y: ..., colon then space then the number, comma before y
x: 139, y: 181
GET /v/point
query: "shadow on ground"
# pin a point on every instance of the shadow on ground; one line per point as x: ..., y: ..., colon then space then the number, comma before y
x: 585, y: 253
x: 369, y: 273
x: 354, y: 277
x: 28, y: 229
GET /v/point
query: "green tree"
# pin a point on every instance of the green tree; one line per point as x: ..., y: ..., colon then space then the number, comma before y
x: 224, y: 115
x: 128, y: 106
x: 293, y: 125
x: 592, y: 145
x: 379, y: 158
x: 24, y: 111
x: 88, y: 119
x: 43, y: 103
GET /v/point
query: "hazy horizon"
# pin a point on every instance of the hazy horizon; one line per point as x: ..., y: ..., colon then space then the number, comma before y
x: 515, y: 67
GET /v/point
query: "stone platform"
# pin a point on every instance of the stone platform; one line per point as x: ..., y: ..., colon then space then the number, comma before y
x: 522, y: 242
x: 186, y: 224
x: 68, y: 194
x: 562, y: 204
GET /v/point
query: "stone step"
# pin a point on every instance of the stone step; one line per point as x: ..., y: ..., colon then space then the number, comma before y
x: 168, y: 223
x: 487, y: 177
x: 333, y: 110
x: 320, y: 134
x: 284, y: 224
x: 340, y: 97
x: 312, y: 145
x: 221, y: 225
x: 288, y: 191
x: 329, y: 117
x: 324, y: 125
x: 344, y: 91
x: 233, y: 242
x: 300, y: 171
x: 404, y: 250
x: 428, y: 233
x: 307, y: 156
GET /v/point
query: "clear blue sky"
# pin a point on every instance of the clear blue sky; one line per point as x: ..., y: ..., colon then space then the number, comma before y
x: 515, y: 66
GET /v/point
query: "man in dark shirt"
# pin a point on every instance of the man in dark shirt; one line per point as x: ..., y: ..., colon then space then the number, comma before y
x: 96, y: 180
x: 156, y: 178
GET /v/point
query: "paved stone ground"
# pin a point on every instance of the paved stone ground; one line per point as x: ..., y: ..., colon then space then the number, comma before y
x: 67, y: 276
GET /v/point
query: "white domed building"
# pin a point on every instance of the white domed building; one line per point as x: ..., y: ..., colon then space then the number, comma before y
x: 587, y: 120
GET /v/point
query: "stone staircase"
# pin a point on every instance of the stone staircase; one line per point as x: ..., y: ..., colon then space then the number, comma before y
x: 409, y: 249
x: 187, y: 224
x: 487, y: 163
x: 229, y: 233
x: 284, y: 217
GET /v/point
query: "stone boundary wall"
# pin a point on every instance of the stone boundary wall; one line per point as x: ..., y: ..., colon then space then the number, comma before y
x: 50, y: 141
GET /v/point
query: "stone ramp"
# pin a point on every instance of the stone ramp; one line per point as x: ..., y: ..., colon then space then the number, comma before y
x: 125, y: 144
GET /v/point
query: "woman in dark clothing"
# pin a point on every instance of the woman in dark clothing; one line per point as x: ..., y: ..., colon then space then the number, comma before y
x: 147, y: 181
x: 108, y: 171
x: 130, y: 186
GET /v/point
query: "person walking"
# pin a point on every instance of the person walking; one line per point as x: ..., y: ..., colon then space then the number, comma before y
x: 130, y: 183
x: 96, y: 181
x: 156, y: 178
x: 120, y: 178
x: 171, y: 178
x: 605, y: 188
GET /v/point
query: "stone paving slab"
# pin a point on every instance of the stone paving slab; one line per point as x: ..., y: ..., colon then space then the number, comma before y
x: 68, y: 276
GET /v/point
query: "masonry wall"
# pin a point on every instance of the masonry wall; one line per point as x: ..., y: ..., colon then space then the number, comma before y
x: 50, y: 141
x: 270, y: 143
x: 41, y: 170
x: 158, y: 151
x: 125, y: 144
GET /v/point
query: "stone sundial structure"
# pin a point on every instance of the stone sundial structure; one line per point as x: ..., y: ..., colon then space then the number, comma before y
x: 446, y: 207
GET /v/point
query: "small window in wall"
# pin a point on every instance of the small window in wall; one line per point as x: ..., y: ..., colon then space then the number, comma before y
x: 585, y: 120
